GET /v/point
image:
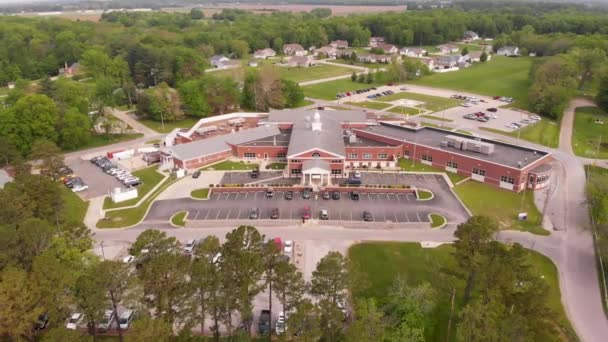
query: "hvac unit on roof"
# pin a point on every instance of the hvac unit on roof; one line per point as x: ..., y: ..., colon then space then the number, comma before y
x: 352, y: 138
x: 444, y: 143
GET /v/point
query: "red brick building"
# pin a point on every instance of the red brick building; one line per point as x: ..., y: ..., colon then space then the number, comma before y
x: 323, y: 147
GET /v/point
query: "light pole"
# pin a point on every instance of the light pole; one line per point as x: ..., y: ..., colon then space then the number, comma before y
x: 103, y: 254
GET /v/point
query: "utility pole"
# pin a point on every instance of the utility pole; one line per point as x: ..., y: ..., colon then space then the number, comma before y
x: 103, y: 254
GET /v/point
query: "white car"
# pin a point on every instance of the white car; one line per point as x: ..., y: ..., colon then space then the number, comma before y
x: 535, y: 117
x: 357, y: 174
x: 189, y: 247
x: 124, y: 176
x: 288, y: 247
x: 128, y: 259
x: 280, y: 325
x: 79, y: 188
x: 466, y: 104
x: 74, y: 321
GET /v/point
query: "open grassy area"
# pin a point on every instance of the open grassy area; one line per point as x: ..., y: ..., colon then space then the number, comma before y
x: 370, y: 104
x: 74, y: 209
x: 424, y: 195
x: 228, y: 165
x: 149, y: 179
x: 409, y: 165
x: 328, y: 90
x: 381, y: 263
x: 436, y: 118
x: 437, y: 220
x: 127, y: 217
x: 276, y: 166
x: 502, y: 76
x: 179, y: 219
x: 404, y: 110
x: 586, y: 134
x: 312, y: 73
x: 169, y: 125
x: 544, y: 132
x: 432, y: 103
x: 200, y: 193
x: 102, y: 140
x: 503, y: 205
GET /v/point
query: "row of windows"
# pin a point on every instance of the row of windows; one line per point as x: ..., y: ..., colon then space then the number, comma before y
x: 249, y: 155
x: 427, y: 158
x: 452, y: 164
x: 368, y: 156
x: 479, y: 172
x: 539, y: 179
x: 336, y: 172
x: 507, y: 179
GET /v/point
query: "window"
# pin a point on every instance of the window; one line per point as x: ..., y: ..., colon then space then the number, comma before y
x: 382, y: 156
x: 452, y: 164
x: 296, y: 171
x: 507, y: 179
x: 406, y: 154
x: 336, y: 172
x: 336, y: 162
x: 249, y: 155
x: 479, y: 172
x: 427, y: 158
x: 296, y: 161
x: 541, y: 179
x: 281, y: 155
x: 367, y: 156
x: 353, y: 156
x: 316, y: 155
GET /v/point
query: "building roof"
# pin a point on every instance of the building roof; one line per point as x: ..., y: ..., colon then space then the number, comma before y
x: 471, y: 34
x: 452, y: 59
x: 300, y: 60
x: 449, y: 46
x: 509, y: 49
x: 218, y: 58
x: 311, y: 164
x: 339, y: 42
x: 295, y: 47
x: 504, y: 154
x: 220, y: 143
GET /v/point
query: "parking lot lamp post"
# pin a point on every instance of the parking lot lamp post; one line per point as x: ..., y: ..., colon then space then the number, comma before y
x: 103, y: 254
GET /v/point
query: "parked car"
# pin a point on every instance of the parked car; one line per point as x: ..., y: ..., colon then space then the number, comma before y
x: 74, y: 321
x: 367, y: 216
x: 280, y: 325
x: 324, y: 214
x: 126, y: 318
x: 483, y: 119
x: 289, y: 195
x: 42, y: 321
x: 133, y: 183
x: 326, y: 195
x: 305, y: 194
x: 254, y: 173
x: 466, y: 104
x: 196, y: 174
x: 189, y: 246
x: 494, y: 110
x: 354, y: 196
x: 80, y: 187
x: 306, y: 213
x: 535, y: 117
x: 270, y: 192
x: 254, y: 213
x: 106, y: 322
x: 357, y: 174
x: 274, y: 214
x: 128, y: 259
x: 264, y: 322
x: 353, y: 181
x: 335, y: 195
x: 288, y: 247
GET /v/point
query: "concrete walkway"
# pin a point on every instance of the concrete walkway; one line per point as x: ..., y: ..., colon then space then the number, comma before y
x: 136, y: 125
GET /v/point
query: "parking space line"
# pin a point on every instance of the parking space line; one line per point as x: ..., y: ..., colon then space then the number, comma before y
x: 238, y: 214
x: 246, y: 194
x: 237, y: 195
x: 196, y: 215
x: 228, y: 214
x: 418, y: 216
x: 207, y: 214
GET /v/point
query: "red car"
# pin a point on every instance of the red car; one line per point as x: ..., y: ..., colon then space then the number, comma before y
x: 306, y: 213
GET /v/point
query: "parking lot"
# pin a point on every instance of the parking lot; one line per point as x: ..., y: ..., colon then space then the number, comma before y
x: 401, y: 208
x: 99, y: 183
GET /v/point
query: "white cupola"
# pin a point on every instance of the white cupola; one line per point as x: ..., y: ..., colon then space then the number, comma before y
x: 316, y: 122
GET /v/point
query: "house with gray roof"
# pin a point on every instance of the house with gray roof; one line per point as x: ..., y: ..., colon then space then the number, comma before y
x: 509, y: 51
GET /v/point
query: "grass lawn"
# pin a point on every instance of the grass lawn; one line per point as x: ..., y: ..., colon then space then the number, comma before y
x: 227, y: 165
x: 200, y: 193
x: 545, y: 132
x: 169, y: 125
x: 128, y: 217
x: 586, y: 135
x: 424, y: 195
x: 430, y: 124
x: 437, y: 220
x: 436, y: 118
x: 381, y: 262
x: 75, y: 209
x: 503, y: 205
x: 328, y: 90
x: 154, y: 141
x: 432, y: 103
x: 370, y: 104
x: 102, y: 140
x: 179, y: 219
x: 404, y: 110
x: 461, y: 131
x: 502, y: 76
x: 149, y: 178
x: 407, y: 165
x: 312, y: 73
x: 276, y: 166
x: 360, y: 64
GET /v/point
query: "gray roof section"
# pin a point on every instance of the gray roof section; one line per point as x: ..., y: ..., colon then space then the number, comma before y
x: 329, y: 138
x: 315, y: 163
x: 220, y: 143
x: 504, y: 154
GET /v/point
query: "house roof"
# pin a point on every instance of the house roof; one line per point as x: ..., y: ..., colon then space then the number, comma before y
x: 470, y: 33
x: 510, y: 49
x: 413, y: 49
x: 220, y: 143
x: 387, y: 46
x: 339, y: 42
x: 448, y: 59
x: 376, y: 38
x: 295, y: 47
x: 299, y: 59
x: 217, y: 58
x: 475, y: 54
x: 327, y: 49
x: 449, y: 46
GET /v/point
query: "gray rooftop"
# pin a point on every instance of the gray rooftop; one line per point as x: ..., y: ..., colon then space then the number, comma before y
x: 328, y: 139
x: 504, y: 154
x: 276, y: 140
x: 221, y: 143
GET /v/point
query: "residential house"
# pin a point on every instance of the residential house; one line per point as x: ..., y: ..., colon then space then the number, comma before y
x: 69, y: 70
x: 374, y: 58
x: 429, y: 62
x: 376, y: 41
x: 449, y: 62
x: 475, y: 56
x: 388, y: 49
x: 413, y: 52
x: 344, y: 53
x: 448, y: 48
x: 229, y: 64
x: 509, y: 51
x: 218, y: 59
x: 339, y: 44
x: 301, y: 61
x: 329, y: 51
x: 470, y: 35
x: 11, y: 85
x: 264, y: 53
x: 294, y: 50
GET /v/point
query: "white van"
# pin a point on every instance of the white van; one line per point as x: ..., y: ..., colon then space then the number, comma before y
x: 126, y: 318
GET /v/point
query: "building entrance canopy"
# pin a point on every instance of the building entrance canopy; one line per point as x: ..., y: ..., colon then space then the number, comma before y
x: 317, y: 170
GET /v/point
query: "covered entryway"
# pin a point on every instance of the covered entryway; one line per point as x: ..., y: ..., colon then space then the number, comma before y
x: 316, y: 172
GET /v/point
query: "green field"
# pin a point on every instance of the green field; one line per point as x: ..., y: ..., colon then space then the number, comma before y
x: 370, y: 104
x: 409, y: 165
x: 169, y: 125
x: 74, y: 209
x: 502, y: 76
x: 586, y: 134
x: 276, y: 166
x: 380, y: 263
x: 312, y: 73
x: 503, y: 205
x: 404, y: 110
x: 328, y: 90
x: 360, y: 64
x: 544, y: 132
x: 149, y: 179
x: 200, y: 193
x: 432, y: 103
x: 228, y: 165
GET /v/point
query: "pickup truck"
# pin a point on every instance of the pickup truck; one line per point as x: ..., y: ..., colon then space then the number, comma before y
x: 264, y: 323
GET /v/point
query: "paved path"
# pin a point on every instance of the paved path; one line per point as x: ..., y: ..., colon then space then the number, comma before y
x: 328, y: 62
x: 136, y: 125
